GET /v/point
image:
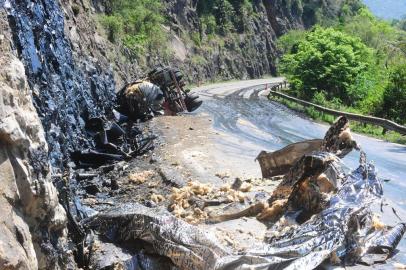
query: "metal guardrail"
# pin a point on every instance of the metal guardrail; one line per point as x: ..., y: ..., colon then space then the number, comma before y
x: 385, y: 123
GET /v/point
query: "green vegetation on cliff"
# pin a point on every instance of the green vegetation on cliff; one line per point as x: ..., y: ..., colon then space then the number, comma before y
x: 135, y: 23
x: 224, y: 16
x: 145, y: 26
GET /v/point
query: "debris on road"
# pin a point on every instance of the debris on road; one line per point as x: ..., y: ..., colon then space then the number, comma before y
x: 338, y: 140
x: 171, y: 82
x: 140, y: 177
x: 157, y: 198
x: 161, y: 92
x: 223, y: 175
x: 316, y: 212
x: 279, y: 162
x: 341, y: 233
x: 196, y: 197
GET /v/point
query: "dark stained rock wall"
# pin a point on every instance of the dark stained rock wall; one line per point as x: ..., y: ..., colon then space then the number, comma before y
x: 65, y: 90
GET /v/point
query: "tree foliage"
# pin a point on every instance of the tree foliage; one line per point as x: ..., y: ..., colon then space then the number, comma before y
x: 135, y: 23
x: 394, y: 98
x: 327, y: 60
x: 229, y: 15
x: 372, y: 90
x: 385, y: 39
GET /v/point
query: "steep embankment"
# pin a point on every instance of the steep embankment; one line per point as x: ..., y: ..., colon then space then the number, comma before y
x: 32, y: 223
x: 57, y: 69
x: 249, y: 49
x: 226, y: 39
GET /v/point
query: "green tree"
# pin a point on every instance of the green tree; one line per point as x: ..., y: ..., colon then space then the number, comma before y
x: 375, y: 33
x: 209, y: 25
x: 327, y: 60
x: 289, y: 41
x: 394, y: 98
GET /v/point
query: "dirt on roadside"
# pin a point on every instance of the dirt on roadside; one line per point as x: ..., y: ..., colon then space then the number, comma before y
x: 194, y: 148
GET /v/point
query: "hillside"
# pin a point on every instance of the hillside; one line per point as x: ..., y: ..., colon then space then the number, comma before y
x: 209, y: 40
x: 387, y: 9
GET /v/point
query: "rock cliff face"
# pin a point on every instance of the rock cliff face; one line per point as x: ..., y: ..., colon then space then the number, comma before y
x: 250, y: 53
x: 32, y: 223
x: 66, y: 89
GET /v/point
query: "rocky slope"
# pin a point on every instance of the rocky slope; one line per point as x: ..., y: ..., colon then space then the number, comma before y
x: 247, y: 53
x: 57, y: 69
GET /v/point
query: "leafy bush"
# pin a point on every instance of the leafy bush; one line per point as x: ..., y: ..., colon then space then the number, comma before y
x: 290, y: 40
x: 209, y: 24
x: 224, y: 13
x: 224, y: 16
x: 113, y: 26
x: 375, y: 33
x: 198, y: 60
x: 327, y: 60
x: 137, y: 23
x: 394, y: 98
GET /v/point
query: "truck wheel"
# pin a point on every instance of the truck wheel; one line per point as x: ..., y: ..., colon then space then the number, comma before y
x: 192, y: 102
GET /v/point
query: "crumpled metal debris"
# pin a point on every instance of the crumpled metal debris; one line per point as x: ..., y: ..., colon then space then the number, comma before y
x: 280, y: 161
x: 325, y: 217
x: 343, y: 229
x: 338, y: 140
x: 187, y: 246
x: 112, y: 142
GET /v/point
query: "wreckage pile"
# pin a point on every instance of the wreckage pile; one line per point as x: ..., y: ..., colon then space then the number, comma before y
x: 315, y: 212
x: 319, y: 213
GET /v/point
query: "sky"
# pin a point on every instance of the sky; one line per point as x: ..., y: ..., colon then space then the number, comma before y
x: 387, y: 9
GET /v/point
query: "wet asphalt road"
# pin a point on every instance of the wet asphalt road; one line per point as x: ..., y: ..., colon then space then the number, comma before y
x: 259, y: 124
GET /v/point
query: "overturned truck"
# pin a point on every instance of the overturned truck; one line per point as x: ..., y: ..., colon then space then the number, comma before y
x: 115, y: 138
x: 319, y: 214
x: 162, y: 91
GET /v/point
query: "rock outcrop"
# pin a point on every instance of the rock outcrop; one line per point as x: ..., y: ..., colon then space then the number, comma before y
x: 245, y: 53
x: 32, y: 223
x: 66, y: 89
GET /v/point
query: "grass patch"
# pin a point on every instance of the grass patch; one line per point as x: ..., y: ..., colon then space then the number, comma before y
x: 137, y: 24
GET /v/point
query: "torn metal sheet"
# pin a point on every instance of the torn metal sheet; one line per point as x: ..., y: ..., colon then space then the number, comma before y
x: 187, y: 246
x: 279, y: 162
x: 338, y: 140
x: 340, y: 230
